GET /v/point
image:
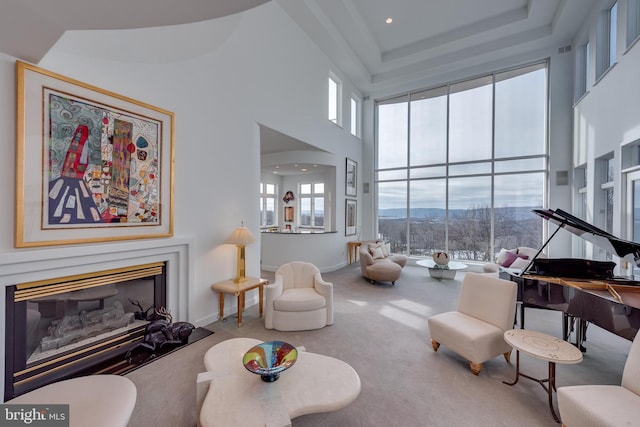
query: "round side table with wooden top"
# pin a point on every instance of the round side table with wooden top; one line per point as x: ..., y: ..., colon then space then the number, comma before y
x: 545, y: 347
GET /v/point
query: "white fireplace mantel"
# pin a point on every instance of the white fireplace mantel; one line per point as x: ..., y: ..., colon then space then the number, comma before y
x: 39, y: 264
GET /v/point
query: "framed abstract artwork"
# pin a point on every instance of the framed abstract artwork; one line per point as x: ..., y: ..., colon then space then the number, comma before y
x: 350, y: 217
x: 351, y: 176
x: 91, y: 165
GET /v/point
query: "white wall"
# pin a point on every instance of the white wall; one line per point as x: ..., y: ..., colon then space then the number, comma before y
x: 608, y: 116
x: 221, y: 78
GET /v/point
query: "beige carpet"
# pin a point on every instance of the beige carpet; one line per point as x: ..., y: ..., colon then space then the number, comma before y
x: 381, y: 330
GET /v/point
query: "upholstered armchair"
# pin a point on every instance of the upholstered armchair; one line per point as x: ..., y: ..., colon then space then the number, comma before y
x: 475, y: 330
x: 299, y: 299
x: 605, y: 405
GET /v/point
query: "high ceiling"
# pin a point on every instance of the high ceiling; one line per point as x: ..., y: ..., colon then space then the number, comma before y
x: 428, y: 40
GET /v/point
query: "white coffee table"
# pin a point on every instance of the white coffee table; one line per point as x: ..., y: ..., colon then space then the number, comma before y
x: 439, y: 272
x: 236, y: 397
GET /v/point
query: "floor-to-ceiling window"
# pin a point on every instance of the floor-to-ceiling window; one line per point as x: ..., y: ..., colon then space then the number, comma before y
x: 460, y: 167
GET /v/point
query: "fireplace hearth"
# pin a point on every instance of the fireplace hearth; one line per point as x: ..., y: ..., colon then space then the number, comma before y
x: 63, y: 327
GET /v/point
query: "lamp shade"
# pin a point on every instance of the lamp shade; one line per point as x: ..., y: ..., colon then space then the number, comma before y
x: 240, y: 236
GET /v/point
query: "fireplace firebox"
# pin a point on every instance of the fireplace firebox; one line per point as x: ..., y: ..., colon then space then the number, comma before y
x: 64, y: 327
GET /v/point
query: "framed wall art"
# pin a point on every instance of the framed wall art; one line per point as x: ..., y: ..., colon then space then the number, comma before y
x: 288, y: 213
x: 351, y: 176
x: 91, y: 165
x: 350, y: 217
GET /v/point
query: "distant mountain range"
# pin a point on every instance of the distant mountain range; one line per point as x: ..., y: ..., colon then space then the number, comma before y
x: 518, y: 213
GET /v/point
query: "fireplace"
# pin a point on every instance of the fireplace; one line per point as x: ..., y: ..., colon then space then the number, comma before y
x: 68, y: 326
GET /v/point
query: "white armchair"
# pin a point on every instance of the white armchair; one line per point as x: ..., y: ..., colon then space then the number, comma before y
x: 605, y: 405
x: 299, y: 299
x: 486, y: 309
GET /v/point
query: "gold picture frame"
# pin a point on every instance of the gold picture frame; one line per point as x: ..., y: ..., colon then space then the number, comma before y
x: 91, y: 165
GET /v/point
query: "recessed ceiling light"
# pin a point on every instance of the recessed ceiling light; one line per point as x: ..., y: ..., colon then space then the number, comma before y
x: 277, y: 167
x: 389, y: 20
x: 303, y: 169
x: 275, y: 171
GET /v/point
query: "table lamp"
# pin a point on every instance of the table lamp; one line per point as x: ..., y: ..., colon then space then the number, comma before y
x: 240, y: 237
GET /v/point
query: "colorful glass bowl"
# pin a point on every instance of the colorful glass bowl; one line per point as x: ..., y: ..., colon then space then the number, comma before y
x: 269, y: 359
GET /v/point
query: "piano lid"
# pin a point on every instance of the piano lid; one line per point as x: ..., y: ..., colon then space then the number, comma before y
x: 591, y: 233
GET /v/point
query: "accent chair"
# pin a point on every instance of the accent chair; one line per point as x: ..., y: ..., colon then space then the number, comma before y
x: 605, y: 405
x: 475, y: 330
x: 299, y: 299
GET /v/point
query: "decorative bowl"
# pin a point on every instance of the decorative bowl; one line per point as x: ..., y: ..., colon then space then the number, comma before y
x: 441, y: 258
x: 269, y: 359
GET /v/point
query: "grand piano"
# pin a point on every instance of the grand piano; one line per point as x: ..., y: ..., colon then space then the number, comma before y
x: 584, y: 291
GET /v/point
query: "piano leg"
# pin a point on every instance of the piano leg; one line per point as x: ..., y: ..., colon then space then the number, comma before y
x: 569, y: 325
x: 581, y: 334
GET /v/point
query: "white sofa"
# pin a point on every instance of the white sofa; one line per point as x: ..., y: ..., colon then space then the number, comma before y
x: 515, y: 259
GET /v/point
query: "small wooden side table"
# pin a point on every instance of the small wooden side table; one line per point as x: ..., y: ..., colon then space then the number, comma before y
x: 545, y: 347
x: 353, y: 251
x: 239, y: 290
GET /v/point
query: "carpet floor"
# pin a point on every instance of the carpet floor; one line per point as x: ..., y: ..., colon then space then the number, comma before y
x: 381, y: 331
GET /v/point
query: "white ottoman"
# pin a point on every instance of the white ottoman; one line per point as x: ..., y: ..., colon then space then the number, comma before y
x: 95, y: 400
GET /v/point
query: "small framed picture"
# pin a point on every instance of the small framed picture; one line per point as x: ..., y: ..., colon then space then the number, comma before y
x: 350, y: 217
x: 351, y: 178
x: 288, y: 213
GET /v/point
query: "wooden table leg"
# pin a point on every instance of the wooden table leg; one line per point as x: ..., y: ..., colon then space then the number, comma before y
x: 260, y: 294
x: 240, y: 307
x: 221, y: 306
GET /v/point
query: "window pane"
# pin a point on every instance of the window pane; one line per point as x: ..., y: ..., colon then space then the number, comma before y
x: 318, y: 211
x: 470, y: 169
x: 271, y: 205
x: 305, y: 188
x: 270, y: 189
x: 520, y: 126
x: 470, y: 121
x: 318, y: 187
x: 262, y: 213
x: 395, y: 174
x: 333, y: 100
x: 354, y: 117
x: 392, y: 214
x: 429, y: 130
x: 470, y: 218
x: 515, y: 197
x: 520, y: 165
x: 392, y: 135
x: 432, y: 172
x: 613, y: 32
x: 633, y: 21
x: 427, y: 227
x: 305, y: 211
